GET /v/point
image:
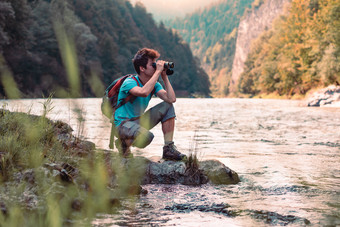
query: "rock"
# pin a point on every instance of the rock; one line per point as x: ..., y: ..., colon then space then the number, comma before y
x: 221, y: 208
x: 326, y: 96
x: 218, y: 173
x: 167, y: 172
x: 65, y: 171
x: 62, y: 127
x: 172, y: 172
x: 274, y: 218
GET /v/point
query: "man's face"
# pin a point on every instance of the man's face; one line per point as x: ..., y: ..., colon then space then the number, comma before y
x: 149, y: 70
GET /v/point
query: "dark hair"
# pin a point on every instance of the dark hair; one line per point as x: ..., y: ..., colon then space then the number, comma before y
x: 142, y: 56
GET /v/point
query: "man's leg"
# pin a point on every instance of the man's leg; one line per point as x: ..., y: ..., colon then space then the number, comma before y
x: 137, y: 132
x: 132, y: 133
x: 168, y: 128
x: 165, y: 113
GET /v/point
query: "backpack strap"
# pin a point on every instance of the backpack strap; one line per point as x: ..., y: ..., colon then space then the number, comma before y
x: 130, y: 97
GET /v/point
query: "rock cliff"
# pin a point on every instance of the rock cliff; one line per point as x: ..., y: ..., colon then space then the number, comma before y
x: 250, y: 27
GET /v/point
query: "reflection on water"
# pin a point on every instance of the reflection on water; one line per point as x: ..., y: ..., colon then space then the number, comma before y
x: 287, y: 157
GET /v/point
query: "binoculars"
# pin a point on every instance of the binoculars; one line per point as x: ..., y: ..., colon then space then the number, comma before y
x: 168, y: 66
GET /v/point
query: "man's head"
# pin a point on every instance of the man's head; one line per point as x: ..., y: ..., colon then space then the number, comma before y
x: 142, y: 57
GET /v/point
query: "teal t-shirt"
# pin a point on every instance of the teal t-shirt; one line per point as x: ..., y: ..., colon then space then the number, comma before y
x: 138, y: 106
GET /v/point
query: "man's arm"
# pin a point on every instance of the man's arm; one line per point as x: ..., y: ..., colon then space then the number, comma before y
x: 168, y: 95
x: 148, y: 87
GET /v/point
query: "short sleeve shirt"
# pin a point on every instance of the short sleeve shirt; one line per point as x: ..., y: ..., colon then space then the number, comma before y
x: 138, y: 106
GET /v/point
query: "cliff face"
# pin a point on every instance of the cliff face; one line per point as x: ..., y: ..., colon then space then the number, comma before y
x: 250, y: 27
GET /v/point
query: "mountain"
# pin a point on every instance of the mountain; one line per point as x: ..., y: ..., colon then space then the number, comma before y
x: 105, y: 35
x: 252, y: 25
x: 211, y: 33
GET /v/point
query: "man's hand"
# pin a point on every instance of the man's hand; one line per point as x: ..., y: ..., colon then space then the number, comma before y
x: 168, y: 95
x: 163, y: 74
x: 160, y: 66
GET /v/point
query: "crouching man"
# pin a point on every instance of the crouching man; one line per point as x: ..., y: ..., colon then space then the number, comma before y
x: 131, y: 121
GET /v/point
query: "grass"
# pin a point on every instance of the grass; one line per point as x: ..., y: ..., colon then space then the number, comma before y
x: 40, y: 195
x: 192, y: 163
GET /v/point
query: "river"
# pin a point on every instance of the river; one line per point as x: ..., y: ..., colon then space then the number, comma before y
x: 287, y: 156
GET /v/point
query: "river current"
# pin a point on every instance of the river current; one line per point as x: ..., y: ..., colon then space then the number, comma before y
x: 287, y: 156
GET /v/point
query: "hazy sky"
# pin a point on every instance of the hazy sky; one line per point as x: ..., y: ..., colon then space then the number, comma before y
x: 165, y: 9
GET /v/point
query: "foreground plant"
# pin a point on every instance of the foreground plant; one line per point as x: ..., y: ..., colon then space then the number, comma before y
x: 47, y: 180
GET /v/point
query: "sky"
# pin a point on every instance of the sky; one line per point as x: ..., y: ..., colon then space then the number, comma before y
x: 167, y: 9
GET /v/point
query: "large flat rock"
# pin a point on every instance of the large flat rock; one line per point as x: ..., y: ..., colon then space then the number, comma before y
x: 176, y: 172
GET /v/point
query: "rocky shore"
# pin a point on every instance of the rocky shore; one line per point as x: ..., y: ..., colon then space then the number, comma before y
x: 155, y: 172
x: 62, y: 154
x: 329, y: 96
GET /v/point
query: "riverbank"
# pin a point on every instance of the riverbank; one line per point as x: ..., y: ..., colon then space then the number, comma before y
x: 318, y: 97
x: 47, y: 171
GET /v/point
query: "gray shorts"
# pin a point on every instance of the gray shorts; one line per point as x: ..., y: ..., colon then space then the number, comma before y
x: 138, y: 130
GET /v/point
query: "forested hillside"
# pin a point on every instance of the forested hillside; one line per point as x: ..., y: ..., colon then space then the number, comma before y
x: 106, y: 33
x: 300, y: 52
x: 211, y: 33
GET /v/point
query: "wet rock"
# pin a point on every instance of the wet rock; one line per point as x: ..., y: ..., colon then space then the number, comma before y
x: 274, y: 218
x: 143, y: 191
x: 168, y: 172
x: 327, y: 96
x: 147, y: 205
x: 174, y: 172
x: 218, y: 173
x: 221, y: 208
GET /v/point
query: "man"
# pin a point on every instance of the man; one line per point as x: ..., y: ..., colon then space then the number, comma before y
x: 131, y: 120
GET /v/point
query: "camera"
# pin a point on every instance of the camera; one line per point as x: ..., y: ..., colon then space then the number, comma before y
x: 168, y: 66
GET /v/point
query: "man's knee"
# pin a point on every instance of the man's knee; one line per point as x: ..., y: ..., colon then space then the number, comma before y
x: 168, y: 111
x: 140, y: 136
x: 143, y: 139
x: 167, y: 105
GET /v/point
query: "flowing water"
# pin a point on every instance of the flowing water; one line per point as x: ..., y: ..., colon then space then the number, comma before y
x: 287, y: 156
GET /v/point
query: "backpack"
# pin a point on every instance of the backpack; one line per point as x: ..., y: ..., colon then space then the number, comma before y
x: 110, y: 100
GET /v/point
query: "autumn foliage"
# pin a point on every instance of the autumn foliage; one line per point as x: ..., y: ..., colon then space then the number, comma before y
x: 299, y: 53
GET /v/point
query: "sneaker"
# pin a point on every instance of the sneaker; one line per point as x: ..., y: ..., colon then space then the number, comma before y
x: 124, y: 150
x: 170, y: 152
